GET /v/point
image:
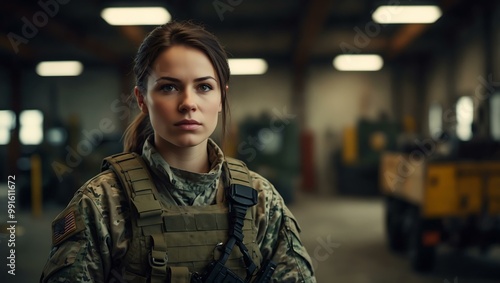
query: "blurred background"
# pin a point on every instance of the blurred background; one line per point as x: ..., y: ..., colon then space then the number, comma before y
x: 379, y: 125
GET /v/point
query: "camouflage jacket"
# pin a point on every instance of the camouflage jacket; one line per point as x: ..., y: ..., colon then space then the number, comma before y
x: 92, y: 234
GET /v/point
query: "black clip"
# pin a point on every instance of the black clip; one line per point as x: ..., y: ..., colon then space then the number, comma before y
x: 242, y: 195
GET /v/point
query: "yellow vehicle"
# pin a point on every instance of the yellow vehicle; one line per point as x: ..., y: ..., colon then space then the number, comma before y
x: 429, y: 203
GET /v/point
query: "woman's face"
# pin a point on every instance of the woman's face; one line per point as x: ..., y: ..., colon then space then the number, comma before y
x: 183, y: 97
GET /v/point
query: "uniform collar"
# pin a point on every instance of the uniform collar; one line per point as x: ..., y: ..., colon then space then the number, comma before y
x: 189, y: 186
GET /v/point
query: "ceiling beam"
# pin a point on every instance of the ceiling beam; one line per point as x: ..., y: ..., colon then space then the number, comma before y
x: 134, y: 34
x: 24, y: 52
x: 63, y: 32
x: 309, y: 29
x: 404, y: 37
x: 407, y: 34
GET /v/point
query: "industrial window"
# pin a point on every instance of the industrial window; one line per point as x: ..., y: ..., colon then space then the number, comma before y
x: 31, y: 127
x: 465, y: 117
x: 495, y: 116
x: 7, y: 123
x: 435, y: 120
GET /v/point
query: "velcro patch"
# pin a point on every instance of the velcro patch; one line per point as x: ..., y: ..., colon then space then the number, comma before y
x: 65, y: 226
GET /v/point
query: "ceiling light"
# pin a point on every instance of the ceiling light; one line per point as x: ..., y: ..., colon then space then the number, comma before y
x: 396, y: 14
x: 358, y: 62
x: 247, y: 66
x: 59, y: 68
x: 31, y: 131
x: 7, y: 122
x: 134, y: 16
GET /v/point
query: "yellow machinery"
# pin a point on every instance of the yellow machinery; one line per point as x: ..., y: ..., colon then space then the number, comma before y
x: 439, y: 202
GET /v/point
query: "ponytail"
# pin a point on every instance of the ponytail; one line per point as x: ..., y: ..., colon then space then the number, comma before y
x: 136, y: 133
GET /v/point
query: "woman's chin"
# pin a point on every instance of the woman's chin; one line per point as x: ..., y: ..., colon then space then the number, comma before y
x: 188, y: 141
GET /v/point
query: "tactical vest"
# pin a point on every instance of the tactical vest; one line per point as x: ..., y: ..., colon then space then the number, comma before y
x: 170, y: 243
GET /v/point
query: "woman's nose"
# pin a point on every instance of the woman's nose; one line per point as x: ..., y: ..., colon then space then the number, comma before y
x: 187, y: 101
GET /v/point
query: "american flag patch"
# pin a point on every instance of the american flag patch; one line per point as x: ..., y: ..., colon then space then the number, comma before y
x: 64, y: 227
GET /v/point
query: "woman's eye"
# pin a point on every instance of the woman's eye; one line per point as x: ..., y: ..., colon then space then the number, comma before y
x: 168, y: 88
x: 205, y: 87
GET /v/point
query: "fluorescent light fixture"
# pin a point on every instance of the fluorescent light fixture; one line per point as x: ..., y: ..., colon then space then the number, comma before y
x: 7, y: 119
x: 31, y: 131
x: 435, y: 120
x: 364, y: 62
x: 247, y: 66
x: 7, y: 122
x: 465, y: 117
x: 59, y: 68
x: 4, y: 136
x: 135, y: 16
x: 400, y: 14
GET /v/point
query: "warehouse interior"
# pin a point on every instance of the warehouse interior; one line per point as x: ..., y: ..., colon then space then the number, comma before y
x: 356, y: 154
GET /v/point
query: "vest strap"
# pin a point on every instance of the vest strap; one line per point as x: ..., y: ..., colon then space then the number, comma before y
x: 237, y: 172
x: 139, y: 187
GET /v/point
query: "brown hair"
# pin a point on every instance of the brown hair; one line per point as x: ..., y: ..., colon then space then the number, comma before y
x: 157, y: 41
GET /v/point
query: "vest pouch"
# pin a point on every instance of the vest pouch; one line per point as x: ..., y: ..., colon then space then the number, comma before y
x: 179, y: 274
x: 194, y: 234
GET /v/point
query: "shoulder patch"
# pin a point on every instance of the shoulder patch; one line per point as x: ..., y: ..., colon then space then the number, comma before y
x: 66, y: 225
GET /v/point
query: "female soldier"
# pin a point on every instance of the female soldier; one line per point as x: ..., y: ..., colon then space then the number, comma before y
x: 162, y: 215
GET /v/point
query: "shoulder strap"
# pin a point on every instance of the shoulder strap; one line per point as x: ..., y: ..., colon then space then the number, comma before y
x: 136, y: 181
x: 237, y: 172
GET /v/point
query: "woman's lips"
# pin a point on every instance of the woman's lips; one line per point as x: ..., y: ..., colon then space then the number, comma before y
x: 188, y: 125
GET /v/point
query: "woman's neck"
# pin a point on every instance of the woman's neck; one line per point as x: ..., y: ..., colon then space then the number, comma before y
x: 192, y: 159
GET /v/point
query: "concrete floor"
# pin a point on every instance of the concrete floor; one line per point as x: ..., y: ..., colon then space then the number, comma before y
x: 344, y: 236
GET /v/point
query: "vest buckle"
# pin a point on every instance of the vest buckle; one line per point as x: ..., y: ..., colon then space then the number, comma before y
x: 157, y: 261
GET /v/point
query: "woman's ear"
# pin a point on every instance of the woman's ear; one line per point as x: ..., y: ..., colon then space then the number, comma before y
x: 140, y: 100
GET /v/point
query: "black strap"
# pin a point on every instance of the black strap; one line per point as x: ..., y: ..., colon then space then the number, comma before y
x: 240, y: 199
x: 240, y: 196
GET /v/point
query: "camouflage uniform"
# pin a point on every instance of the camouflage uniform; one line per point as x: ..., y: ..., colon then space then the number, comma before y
x: 101, y: 231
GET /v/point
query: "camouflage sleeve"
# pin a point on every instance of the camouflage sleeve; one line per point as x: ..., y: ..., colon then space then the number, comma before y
x: 278, y: 236
x: 87, y: 237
